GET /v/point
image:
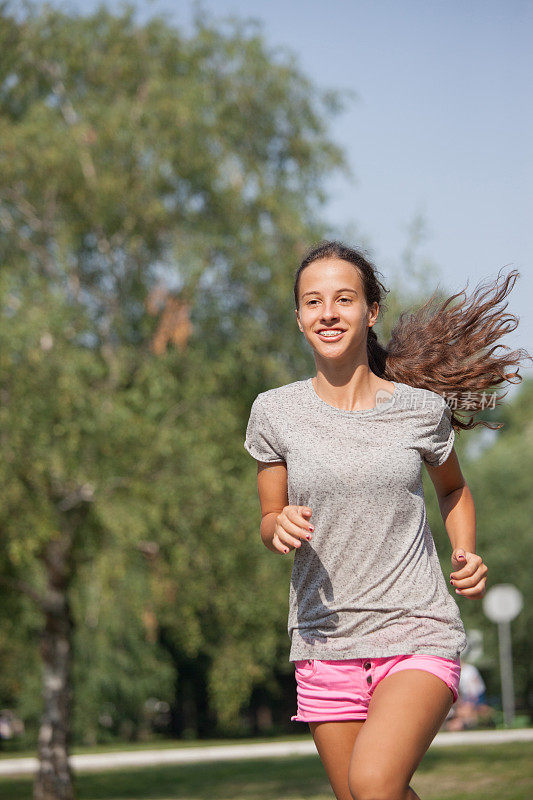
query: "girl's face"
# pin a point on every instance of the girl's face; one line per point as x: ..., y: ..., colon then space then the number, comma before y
x: 332, y: 299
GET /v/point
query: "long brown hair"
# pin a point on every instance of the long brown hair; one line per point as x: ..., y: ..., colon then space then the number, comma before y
x: 442, y: 347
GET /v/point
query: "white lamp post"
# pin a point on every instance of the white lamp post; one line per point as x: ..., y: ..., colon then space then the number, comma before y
x: 501, y: 604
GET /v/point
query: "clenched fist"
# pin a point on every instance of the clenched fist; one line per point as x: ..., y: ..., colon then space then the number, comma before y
x: 292, y: 525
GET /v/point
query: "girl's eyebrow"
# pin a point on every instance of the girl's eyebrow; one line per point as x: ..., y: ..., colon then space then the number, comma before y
x: 315, y: 291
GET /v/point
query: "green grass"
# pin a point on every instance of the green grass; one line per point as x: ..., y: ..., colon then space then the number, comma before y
x: 502, y: 772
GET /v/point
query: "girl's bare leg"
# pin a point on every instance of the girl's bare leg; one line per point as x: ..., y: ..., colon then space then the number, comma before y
x: 335, y: 742
x: 405, y: 714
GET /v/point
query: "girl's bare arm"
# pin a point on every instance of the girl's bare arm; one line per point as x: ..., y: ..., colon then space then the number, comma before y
x: 459, y: 514
x: 282, y: 525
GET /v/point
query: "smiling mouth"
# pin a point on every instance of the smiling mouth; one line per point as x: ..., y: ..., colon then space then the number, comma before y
x: 330, y: 334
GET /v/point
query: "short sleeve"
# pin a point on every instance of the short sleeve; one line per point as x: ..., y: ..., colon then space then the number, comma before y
x: 260, y: 439
x: 438, y: 441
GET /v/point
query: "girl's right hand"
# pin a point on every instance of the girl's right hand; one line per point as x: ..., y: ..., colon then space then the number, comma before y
x: 292, y: 525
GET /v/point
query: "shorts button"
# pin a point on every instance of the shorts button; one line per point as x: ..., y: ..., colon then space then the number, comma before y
x: 367, y: 665
x: 369, y: 679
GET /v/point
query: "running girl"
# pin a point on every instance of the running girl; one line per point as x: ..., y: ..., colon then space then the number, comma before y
x: 376, y: 635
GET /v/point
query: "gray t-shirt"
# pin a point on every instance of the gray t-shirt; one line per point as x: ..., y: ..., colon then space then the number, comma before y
x: 369, y: 584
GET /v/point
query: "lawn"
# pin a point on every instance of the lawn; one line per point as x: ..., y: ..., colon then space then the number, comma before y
x: 502, y: 772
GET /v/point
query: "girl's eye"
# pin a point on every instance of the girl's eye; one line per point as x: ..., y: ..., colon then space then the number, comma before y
x: 349, y: 299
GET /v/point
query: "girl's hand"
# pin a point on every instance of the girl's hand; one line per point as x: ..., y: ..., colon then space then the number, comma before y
x: 292, y: 525
x: 470, y: 573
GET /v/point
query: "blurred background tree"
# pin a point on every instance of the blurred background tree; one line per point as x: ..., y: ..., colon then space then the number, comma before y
x: 155, y: 193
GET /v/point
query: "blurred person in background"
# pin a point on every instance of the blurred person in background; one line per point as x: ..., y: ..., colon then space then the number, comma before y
x: 471, y: 711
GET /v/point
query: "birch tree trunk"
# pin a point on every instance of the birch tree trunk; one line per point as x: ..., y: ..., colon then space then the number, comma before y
x: 54, y: 780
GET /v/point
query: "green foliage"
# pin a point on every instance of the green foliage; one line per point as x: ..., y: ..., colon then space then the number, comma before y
x: 133, y: 156
x: 141, y: 153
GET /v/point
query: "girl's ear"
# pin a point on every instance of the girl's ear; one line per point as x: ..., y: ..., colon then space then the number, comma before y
x: 373, y: 313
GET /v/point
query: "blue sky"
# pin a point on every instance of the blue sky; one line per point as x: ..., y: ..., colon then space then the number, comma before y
x: 441, y: 125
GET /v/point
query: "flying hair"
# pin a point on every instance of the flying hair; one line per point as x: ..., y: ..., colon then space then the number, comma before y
x: 447, y: 347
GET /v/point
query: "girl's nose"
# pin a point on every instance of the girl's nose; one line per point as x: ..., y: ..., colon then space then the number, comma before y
x: 330, y: 313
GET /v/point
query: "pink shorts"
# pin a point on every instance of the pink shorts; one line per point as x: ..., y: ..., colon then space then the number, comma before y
x: 342, y: 689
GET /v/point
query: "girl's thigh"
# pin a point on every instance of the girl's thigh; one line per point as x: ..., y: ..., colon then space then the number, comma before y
x: 405, y: 713
x: 335, y: 742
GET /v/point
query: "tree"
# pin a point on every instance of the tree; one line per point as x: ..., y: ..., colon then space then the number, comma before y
x: 133, y: 157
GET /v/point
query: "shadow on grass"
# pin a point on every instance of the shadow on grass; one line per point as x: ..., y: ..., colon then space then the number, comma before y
x: 464, y: 773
